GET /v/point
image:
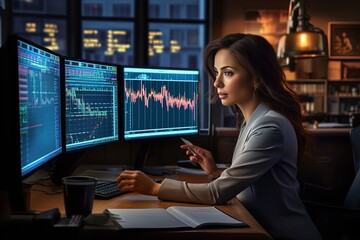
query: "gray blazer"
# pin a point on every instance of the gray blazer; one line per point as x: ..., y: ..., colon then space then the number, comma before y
x: 262, y: 176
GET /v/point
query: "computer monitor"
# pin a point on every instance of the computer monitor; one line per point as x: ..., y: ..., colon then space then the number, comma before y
x: 32, y: 108
x: 91, y: 104
x: 159, y: 102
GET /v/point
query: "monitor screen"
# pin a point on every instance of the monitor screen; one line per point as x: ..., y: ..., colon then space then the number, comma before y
x: 31, y: 102
x: 160, y: 102
x: 91, y: 104
x: 39, y: 105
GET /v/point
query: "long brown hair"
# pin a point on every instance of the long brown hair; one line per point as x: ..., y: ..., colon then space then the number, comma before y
x: 256, y: 55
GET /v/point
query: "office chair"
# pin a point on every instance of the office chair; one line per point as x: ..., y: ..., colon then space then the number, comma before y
x: 341, y: 222
x: 355, y: 144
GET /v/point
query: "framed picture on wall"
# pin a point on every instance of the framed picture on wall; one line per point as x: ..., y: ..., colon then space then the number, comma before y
x: 350, y: 69
x: 344, y: 40
x: 269, y: 23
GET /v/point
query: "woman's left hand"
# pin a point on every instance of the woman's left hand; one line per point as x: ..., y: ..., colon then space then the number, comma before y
x: 137, y: 181
x: 204, y: 158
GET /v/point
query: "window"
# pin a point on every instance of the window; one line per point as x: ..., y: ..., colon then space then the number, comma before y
x: 175, y: 10
x: 92, y: 9
x: 172, y: 39
x: 178, y: 9
x: 39, y: 6
x: 154, y: 10
x: 108, y: 41
x: 122, y: 10
x: 108, y: 35
x: 192, y: 11
x: 41, y: 21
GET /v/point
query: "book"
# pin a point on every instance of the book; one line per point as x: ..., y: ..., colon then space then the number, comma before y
x: 171, y: 217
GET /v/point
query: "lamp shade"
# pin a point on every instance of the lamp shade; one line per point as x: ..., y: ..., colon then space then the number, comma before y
x: 303, y: 44
x: 302, y: 40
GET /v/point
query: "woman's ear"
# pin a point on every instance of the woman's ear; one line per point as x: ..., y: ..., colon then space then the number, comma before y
x: 256, y: 83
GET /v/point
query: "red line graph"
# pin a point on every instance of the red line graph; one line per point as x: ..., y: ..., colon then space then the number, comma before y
x: 164, y: 97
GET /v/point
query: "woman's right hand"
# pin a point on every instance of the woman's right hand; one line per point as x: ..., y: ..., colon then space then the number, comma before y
x: 203, y: 157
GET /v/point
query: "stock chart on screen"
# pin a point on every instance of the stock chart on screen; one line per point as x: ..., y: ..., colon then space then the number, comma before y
x: 39, y: 105
x: 91, y: 100
x: 160, y: 102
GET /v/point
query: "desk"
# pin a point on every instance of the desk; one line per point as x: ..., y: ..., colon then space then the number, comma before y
x: 41, y: 202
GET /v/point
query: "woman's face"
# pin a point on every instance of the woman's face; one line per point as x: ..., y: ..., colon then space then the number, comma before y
x: 232, y: 83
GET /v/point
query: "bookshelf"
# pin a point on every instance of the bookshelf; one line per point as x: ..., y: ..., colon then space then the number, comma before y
x: 313, y: 96
x: 328, y: 100
x: 343, y: 97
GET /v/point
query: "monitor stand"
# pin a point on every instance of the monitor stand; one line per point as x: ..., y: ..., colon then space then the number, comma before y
x: 140, y: 160
x: 63, y: 165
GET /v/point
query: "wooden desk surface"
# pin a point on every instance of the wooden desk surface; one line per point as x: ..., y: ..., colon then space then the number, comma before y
x: 41, y: 201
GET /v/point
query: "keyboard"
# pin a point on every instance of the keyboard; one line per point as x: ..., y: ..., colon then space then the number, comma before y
x: 107, y: 190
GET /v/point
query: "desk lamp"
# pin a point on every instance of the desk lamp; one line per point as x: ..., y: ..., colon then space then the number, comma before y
x: 302, y: 39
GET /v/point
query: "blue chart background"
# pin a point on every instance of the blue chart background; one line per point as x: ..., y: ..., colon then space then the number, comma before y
x: 39, y: 93
x: 146, y: 117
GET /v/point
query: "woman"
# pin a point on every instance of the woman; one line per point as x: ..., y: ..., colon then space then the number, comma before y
x: 263, y: 173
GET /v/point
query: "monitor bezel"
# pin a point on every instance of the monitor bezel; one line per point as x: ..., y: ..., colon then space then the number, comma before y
x: 119, y: 103
x: 159, y: 137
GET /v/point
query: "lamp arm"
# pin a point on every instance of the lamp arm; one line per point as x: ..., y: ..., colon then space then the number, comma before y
x: 303, y: 18
x: 293, y: 16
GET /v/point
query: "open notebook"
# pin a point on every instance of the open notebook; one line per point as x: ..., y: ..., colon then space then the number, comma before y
x: 172, y: 217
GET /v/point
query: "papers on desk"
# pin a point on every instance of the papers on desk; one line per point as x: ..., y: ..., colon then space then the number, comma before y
x: 171, y: 217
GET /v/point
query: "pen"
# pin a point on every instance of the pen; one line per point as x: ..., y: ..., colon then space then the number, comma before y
x: 189, y: 143
x: 111, y: 215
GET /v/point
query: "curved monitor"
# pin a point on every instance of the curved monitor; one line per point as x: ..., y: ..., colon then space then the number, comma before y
x: 160, y: 102
x: 39, y: 105
x: 33, y: 120
x: 91, y: 104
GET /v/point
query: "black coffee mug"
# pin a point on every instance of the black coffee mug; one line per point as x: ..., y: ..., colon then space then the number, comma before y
x: 79, y: 193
